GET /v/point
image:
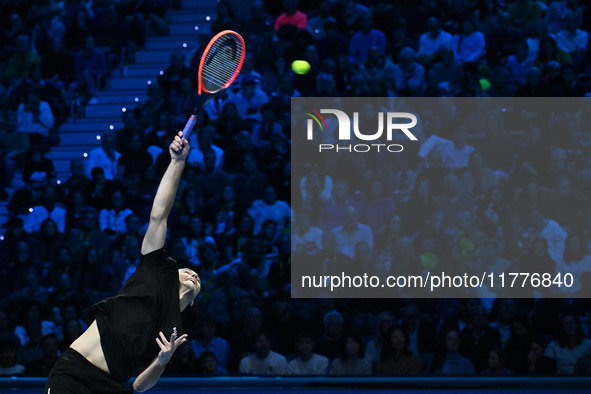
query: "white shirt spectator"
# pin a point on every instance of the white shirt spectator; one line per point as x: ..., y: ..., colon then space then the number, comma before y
x: 27, y: 124
x: 346, y: 240
x: 279, y: 211
x: 429, y: 45
x: 469, y: 48
x: 565, y: 357
x: 556, y: 236
x: 317, y: 365
x: 273, y: 364
x: 572, y: 42
x: 98, y: 158
x: 114, y: 221
x: 313, y: 235
x: 454, y: 158
x: 39, y: 214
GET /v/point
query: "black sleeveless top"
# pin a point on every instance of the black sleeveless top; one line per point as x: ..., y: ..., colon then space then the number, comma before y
x: 129, y: 322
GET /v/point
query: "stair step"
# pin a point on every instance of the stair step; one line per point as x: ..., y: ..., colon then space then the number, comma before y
x: 106, y: 111
x: 123, y: 99
x: 173, y: 42
x: 186, y: 28
x: 93, y: 125
x: 149, y: 71
x: 79, y: 139
x: 160, y: 57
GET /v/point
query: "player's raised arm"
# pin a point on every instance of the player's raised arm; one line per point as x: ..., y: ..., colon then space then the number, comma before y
x: 156, y: 234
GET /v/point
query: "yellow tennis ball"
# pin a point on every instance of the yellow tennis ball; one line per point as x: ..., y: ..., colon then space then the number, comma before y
x: 484, y: 84
x: 300, y: 67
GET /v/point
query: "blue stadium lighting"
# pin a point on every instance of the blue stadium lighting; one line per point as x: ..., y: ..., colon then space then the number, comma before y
x: 196, y: 27
x: 207, y: 18
x: 123, y: 109
x: 98, y: 137
x: 30, y: 210
x: 111, y: 127
x: 85, y: 154
x: 59, y: 182
x: 1, y: 237
x: 316, y: 31
x: 184, y: 44
x: 149, y: 82
x: 162, y: 72
x: 136, y: 99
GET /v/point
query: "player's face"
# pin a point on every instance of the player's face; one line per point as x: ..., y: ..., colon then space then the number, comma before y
x: 189, y: 278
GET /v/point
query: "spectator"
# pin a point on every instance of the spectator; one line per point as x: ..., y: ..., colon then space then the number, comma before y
x: 195, y: 236
x: 519, y: 63
x: 203, y: 143
x: 469, y: 45
x: 552, y: 232
x: 420, y: 330
x: 43, y: 366
x: 249, y: 100
x: 91, y: 71
x: 351, y: 362
x: 569, y: 345
x: 8, y: 359
x: 396, y: 358
x: 572, y: 39
x: 105, y: 157
x: 50, y: 208
x: 385, y: 322
x: 352, y: 232
x: 496, y: 364
x: 366, y: 38
x: 263, y: 361
x: 506, y: 309
x: 447, y: 360
x: 433, y: 42
x: 270, y: 208
x: 537, y: 362
x: 209, y: 364
x: 292, y: 16
x: 332, y: 340
x: 35, y: 117
x: 112, y: 218
x: 208, y: 341
x: 478, y: 339
x: 308, y: 362
x: 22, y: 61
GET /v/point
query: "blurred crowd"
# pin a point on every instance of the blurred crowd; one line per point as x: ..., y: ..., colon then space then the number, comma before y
x: 70, y: 244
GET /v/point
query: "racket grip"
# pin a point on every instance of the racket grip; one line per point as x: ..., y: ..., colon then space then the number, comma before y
x: 189, y: 127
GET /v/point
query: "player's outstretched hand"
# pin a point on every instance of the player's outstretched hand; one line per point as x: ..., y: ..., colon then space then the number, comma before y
x: 179, y: 147
x: 167, y: 348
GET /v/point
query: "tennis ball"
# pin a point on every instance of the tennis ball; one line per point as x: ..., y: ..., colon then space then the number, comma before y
x: 484, y: 84
x: 300, y: 67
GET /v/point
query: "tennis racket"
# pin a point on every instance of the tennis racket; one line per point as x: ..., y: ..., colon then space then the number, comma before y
x: 220, y: 64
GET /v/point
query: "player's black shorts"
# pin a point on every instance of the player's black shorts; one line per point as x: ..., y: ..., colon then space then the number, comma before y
x: 74, y: 374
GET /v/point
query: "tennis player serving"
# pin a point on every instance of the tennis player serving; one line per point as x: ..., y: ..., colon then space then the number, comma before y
x: 130, y: 332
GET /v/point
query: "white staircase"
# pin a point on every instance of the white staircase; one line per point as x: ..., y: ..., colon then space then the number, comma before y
x: 79, y: 136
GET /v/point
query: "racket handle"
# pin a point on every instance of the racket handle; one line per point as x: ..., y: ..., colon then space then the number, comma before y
x: 189, y: 127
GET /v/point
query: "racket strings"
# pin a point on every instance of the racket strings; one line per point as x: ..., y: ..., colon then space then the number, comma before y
x: 221, y: 62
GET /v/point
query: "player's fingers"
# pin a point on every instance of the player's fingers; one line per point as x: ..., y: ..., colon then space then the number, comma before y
x: 163, y: 338
x: 173, y: 338
x: 181, y: 339
x: 160, y: 344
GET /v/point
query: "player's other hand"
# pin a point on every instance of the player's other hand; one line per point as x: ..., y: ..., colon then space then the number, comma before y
x: 179, y: 147
x: 167, y: 348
